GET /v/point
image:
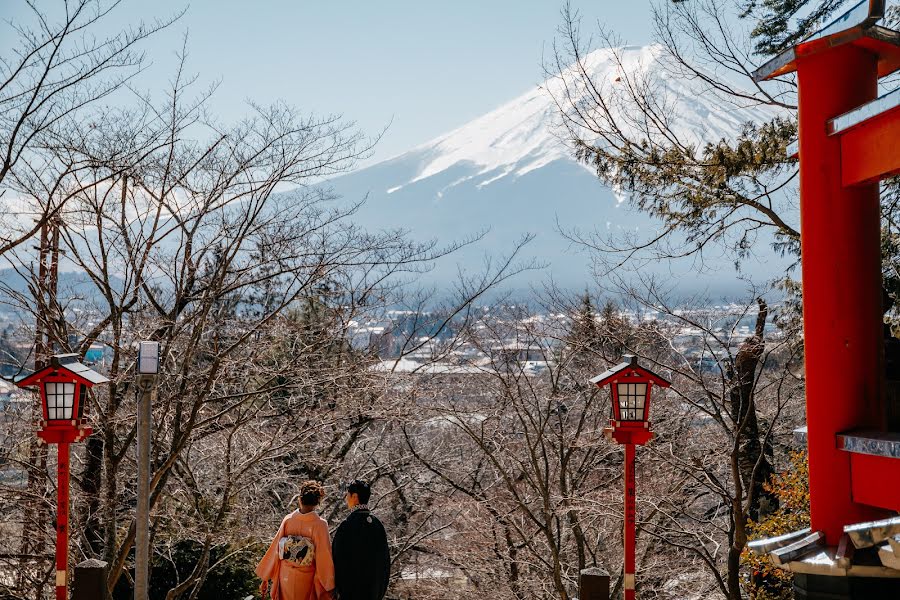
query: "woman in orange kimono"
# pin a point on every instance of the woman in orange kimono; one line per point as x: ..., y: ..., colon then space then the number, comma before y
x: 306, y: 571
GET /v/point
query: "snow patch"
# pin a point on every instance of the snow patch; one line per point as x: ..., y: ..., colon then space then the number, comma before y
x: 523, y: 135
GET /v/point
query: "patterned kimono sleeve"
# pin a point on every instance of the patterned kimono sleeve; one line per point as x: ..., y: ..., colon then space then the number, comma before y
x: 268, y: 566
x: 324, y: 562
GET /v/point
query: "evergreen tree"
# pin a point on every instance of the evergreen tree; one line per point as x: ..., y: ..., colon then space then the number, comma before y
x: 724, y: 194
x: 584, y: 331
x: 781, y: 24
x: 597, y: 337
x: 616, y: 332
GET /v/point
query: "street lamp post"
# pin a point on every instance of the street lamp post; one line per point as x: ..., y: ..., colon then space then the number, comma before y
x: 630, y: 387
x: 63, y: 385
x: 147, y: 370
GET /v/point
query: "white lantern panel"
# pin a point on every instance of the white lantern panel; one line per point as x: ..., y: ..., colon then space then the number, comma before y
x: 60, y: 400
x: 631, y: 401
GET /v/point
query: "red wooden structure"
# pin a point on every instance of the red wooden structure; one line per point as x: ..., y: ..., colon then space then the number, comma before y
x: 849, y: 140
x: 630, y: 388
x: 63, y: 386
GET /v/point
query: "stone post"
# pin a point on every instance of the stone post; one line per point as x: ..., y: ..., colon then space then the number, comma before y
x: 89, y: 582
x: 593, y: 584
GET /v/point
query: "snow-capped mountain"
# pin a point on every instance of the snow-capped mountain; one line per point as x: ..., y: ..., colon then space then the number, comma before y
x: 511, y: 171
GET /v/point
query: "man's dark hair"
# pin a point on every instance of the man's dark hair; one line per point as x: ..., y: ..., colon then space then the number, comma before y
x: 361, y: 489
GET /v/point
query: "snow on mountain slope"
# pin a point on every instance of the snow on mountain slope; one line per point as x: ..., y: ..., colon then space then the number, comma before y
x: 523, y: 134
x: 509, y: 171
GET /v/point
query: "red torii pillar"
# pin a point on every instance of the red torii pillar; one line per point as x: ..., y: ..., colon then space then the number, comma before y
x: 840, y: 236
x: 841, y: 162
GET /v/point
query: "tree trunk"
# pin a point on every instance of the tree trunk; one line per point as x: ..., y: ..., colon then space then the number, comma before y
x: 755, y: 468
x: 92, y: 483
x: 734, y: 573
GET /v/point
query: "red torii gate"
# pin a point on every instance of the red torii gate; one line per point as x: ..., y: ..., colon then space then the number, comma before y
x: 849, y: 140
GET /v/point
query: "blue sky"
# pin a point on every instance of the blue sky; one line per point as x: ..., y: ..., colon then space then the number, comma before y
x: 426, y: 66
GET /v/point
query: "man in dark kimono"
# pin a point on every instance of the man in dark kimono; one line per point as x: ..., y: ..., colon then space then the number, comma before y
x: 362, y: 561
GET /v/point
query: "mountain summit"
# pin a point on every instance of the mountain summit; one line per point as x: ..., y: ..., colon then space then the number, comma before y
x: 511, y: 170
x: 523, y: 134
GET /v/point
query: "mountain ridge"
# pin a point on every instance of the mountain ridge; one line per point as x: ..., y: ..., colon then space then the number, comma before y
x: 510, y: 169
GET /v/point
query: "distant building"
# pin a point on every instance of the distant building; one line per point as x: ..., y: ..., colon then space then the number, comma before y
x: 95, y: 354
x: 416, y: 580
x: 531, y: 358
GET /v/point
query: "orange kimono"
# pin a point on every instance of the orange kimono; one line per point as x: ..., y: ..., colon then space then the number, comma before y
x: 293, y: 582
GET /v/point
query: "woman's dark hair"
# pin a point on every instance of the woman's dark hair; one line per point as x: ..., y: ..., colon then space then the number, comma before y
x: 311, y: 493
x: 361, y: 489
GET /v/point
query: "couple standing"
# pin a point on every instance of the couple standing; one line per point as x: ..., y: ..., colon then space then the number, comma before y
x: 303, y: 564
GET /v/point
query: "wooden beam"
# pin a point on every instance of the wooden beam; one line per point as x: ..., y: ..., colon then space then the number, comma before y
x: 803, y: 546
x: 866, y: 535
x: 874, y: 480
x: 870, y: 148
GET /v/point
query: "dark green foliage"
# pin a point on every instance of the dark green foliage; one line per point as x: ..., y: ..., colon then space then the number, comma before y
x: 774, y: 32
x: 232, y: 579
x: 318, y: 337
x: 585, y: 331
x: 595, y: 338
x: 715, y: 194
x: 780, y: 24
x: 598, y: 339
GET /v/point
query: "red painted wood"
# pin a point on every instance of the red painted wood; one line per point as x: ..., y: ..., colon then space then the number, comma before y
x: 875, y: 480
x: 840, y: 237
x: 871, y: 150
x: 630, y: 435
x: 46, y: 374
x: 888, y: 54
x: 630, y: 526
x: 64, y: 434
x: 62, y: 520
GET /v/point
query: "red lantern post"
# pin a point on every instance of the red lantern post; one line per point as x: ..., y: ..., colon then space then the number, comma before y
x: 630, y: 386
x: 63, y: 386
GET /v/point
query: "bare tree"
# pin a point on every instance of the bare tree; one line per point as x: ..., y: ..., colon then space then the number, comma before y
x: 60, y: 69
x: 736, y: 396
x: 512, y: 446
x: 707, y: 194
x: 508, y: 461
x: 224, y: 244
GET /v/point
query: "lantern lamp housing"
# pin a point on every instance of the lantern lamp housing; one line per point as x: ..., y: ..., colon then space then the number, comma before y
x: 148, y: 358
x: 630, y: 389
x: 63, y: 386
